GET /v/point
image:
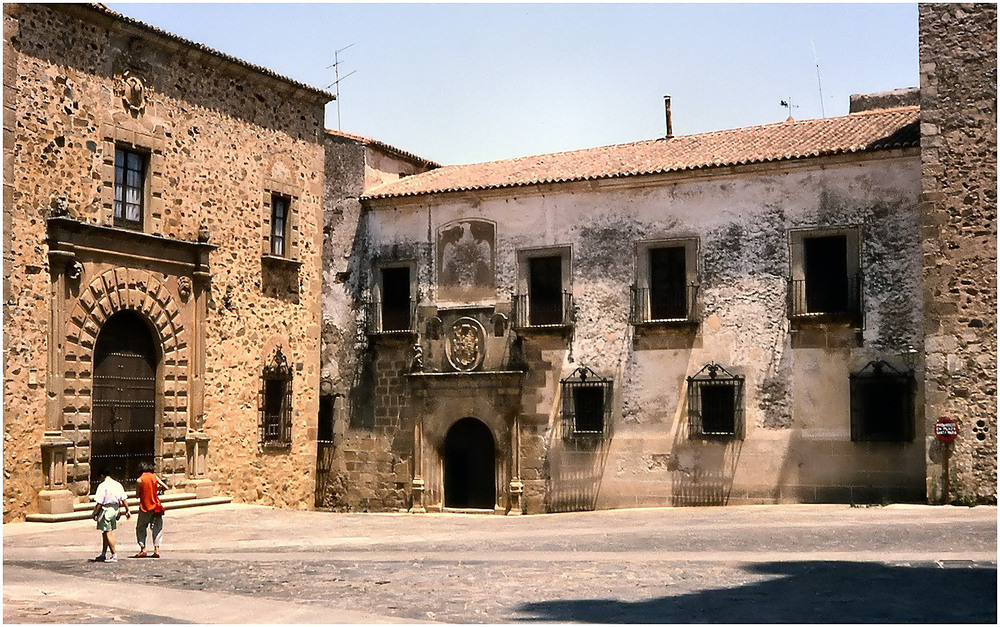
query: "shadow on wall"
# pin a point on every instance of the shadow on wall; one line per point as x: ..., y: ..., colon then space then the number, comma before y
x: 805, y: 592
x: 708, y: 479
x: 574, y: 474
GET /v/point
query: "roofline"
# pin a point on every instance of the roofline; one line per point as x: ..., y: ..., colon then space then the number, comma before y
x: 374, y: 195
x: 667, y: 176
x: 399, y: 152
x: 100, y: 12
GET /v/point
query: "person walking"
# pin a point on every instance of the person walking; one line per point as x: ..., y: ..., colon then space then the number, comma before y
x: 108, y: 498
x: 148, y: 489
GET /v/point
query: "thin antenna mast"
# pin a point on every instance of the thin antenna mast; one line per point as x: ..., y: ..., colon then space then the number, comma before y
x: 336, y: 83
x: 819, y: 81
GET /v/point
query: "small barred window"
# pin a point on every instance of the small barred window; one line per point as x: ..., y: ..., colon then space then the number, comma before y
x: 882, y: 404
x: 586, y: 404
x: 715, y: 404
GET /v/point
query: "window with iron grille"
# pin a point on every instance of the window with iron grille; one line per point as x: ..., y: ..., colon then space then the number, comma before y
x: 130, y: 188
x: 826, y: 278
x: 586, y: 404
x: 280, y: 207
x: 275, y: 423
x: 715, y: 404
x: 882, y: 404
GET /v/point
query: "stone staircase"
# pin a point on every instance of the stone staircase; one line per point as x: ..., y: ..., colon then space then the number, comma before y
x: 171, y: 501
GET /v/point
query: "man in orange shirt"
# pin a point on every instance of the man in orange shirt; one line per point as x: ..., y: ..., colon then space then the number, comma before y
x: 148, y: 489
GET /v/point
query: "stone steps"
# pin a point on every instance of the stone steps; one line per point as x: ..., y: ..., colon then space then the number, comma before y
x: 171, y: 501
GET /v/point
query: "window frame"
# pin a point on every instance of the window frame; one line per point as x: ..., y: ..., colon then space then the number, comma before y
x: 880, y: 372
x: 583, y: 378
x: 522, y: 299
x: 709, y: 378
x: 640, y: 309
x: 285, y: 229
x: 275, y: 431
x: 119, y: 204
x: 376, y: 305
x: 798, y: 296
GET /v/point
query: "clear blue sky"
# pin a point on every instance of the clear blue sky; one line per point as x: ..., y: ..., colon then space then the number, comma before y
x: 461, y: 83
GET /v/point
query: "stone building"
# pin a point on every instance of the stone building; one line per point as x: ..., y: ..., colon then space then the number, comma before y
x: 162, y: 264
x: 958, y: 126
x: 717, y: 318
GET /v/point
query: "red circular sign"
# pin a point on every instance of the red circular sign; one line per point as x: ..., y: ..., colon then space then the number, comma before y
x: 946, y: 429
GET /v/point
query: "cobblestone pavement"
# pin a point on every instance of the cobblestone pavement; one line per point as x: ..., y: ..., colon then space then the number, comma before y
x: 800, y: 564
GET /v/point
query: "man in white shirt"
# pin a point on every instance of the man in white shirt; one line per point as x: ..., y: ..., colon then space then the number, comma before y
x: 110, y: 495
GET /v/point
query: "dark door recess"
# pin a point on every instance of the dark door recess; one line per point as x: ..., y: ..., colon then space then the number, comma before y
x: 470, y: 466
x: 124, y: 401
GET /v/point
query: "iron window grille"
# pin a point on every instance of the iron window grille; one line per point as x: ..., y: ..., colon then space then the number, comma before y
x: 676, y: 304
x: 534, y: 314
x: 130, y: 188
x: 882, y: 404
x: 279, y: 224
x: 275, y: 402
x: 715, y: 404
x: 586, y: 404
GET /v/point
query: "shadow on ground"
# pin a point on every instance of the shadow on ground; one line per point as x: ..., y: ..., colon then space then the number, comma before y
x: 807, y: 592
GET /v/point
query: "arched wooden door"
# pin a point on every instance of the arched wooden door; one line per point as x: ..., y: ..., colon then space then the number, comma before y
x: 470, y: 466
x: 124, y: 401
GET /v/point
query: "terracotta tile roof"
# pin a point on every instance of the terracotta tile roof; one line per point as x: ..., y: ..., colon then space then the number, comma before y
x: 105, y: 11
x: 784, y: 141
x: 409, y: 156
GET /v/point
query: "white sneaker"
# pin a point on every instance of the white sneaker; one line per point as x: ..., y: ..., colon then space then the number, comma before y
x: 113, y: 558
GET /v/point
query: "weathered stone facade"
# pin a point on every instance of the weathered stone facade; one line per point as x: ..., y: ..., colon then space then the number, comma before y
x: 958, y: 78
x: 219, y: 138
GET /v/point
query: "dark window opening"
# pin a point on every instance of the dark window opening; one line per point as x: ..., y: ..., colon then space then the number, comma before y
x: 279, y: 224
x: 327, y: 404
x: 715, y: 403
x: 826, y: 274
x: 275, y: 424
x: 668, y: 283
x: 588, y: 403
x: 130, y: 188
x: 396, y: 299
x: 545, y: 291
x: 882, y: 404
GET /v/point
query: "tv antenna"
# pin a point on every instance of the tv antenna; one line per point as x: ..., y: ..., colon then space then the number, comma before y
x: 336, y: 83
x: 819, y: 81
x: 788, y: 105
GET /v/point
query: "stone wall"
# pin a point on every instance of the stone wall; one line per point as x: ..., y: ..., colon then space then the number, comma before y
x: 958, y: 51
x: 222, y: 137
x: 798, y: 445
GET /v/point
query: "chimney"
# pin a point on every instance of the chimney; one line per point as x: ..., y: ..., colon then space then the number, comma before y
x: 670, y: 121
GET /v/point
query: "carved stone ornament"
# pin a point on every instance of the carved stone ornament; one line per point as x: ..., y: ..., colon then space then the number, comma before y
x: 466, y: 344
x: 184, y: 287
x: 277, y: 367
x: 133, y: 92
x: 74, y: 270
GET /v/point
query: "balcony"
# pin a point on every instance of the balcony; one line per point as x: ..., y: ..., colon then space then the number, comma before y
x: 838, y: 300
x: 666, y: 307
x: 554, y: 313
x: 397, y: 317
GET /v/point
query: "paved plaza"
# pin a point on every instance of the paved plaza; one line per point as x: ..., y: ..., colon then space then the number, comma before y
x: 748, y: 564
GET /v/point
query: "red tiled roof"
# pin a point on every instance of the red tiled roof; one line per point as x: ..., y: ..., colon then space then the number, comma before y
x: 858, y: 132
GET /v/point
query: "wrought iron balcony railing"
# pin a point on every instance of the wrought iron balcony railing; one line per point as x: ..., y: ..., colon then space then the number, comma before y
x: 396, y: 317
x: 840, y: 298
x: 539, y: 313
x: 664, y: 306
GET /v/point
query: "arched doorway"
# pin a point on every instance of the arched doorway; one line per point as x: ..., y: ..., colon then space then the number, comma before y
x: 124, y: 401
x: 470, y: 466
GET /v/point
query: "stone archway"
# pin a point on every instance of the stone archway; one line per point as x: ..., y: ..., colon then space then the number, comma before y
x: 144, y: 294
x: 470, y: 466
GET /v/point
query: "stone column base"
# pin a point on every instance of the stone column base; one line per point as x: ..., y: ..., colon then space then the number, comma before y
x: 417, y: 496
x: 202, y: 488
x: 55, y: 502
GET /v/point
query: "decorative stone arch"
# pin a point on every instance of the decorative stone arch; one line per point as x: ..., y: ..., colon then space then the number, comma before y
x: 140, y: 291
